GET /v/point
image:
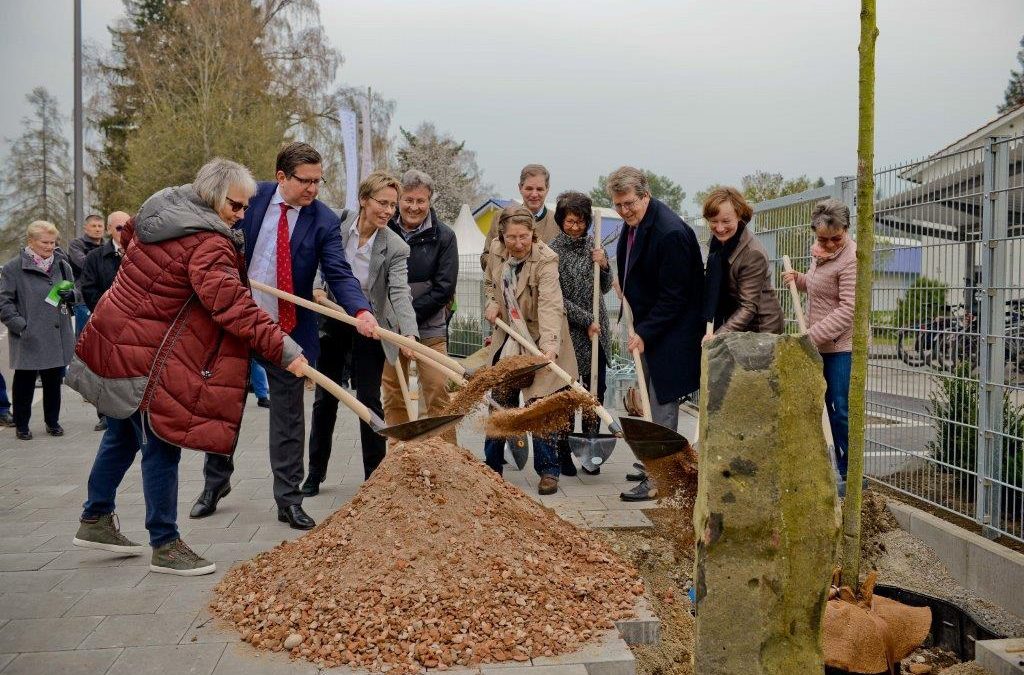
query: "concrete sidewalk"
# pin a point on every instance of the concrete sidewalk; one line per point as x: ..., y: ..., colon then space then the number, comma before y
x: 73, y: 611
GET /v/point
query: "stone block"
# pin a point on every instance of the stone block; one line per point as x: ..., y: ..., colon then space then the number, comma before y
x: 992, y: 655
x: 766, y: 516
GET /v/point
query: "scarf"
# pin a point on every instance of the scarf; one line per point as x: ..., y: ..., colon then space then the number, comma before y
x: 820, y: 255
x: 43, y: 264
x: 718, y: 303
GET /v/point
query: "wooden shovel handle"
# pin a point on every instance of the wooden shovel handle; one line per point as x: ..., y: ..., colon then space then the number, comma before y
x: 410, y: 409
x: 554, y: 367
x: 335, y: 390
x: 596, y: 306
x: 638, y: 365
x: 798, y: 308
x: 330, y: 309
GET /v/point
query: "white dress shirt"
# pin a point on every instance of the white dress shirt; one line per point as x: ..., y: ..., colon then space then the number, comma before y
x: 263, y: 266
x: 359, y: 256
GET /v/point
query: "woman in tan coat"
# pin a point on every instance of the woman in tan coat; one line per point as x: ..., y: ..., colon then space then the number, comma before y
x: 738, y: 293
x: 528, y: 269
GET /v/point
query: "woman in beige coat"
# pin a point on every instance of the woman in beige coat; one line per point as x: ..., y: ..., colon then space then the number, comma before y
x: 529, y: 269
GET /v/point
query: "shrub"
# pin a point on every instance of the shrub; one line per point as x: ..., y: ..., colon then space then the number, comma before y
x: 923, y: 301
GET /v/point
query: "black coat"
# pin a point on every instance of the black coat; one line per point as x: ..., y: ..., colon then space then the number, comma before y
x: 98, y: 272
x: 664, y: 282
x: 433, y: 273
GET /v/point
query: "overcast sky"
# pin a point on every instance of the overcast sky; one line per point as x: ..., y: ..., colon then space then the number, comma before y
x: 699, y: 90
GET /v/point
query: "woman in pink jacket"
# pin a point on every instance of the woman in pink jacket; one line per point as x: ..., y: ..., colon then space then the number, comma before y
x: 830, y: 285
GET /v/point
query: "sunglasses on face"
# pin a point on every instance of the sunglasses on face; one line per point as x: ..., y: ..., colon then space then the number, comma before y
x: 236, y: 206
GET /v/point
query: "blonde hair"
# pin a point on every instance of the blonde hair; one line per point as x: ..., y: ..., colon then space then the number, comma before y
x: 376, y: 181
x: 519, y: 215
x: 37, y: 228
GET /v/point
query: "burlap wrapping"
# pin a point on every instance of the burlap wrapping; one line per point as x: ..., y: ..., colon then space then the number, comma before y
x: 871, y: 634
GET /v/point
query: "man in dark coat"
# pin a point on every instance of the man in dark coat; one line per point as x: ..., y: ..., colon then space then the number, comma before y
x: 288, y: 211
x: 78, y: 249
x: 98, y: 272
x: 662, y: 276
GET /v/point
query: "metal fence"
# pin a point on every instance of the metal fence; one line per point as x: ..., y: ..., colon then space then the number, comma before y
x: 945, y: 393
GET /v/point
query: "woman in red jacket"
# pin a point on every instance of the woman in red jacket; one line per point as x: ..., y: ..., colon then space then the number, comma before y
x: 166, y: 355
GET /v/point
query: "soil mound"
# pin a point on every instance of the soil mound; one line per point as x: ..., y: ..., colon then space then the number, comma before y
x: 436, y: 562
x: 548, y: 415
x: 488, y: 377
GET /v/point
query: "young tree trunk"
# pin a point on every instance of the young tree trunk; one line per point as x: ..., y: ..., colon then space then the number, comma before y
x: 862, y: 306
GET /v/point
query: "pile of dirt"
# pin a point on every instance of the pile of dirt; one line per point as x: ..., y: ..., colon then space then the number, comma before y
x: 436, y: 562
x: 875, y: 521
x: 548, y: 415
x: 488, y: 377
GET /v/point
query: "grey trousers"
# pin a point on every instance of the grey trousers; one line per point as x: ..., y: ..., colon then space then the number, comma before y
x: 287, y: 440
x: 665, y: 414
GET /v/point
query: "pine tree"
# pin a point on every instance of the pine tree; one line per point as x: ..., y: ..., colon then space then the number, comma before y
x: 37, y: 176
x: 1014, y: 95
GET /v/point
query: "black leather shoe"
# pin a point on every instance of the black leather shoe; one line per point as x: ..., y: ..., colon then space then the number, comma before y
x: 207, y: 502
x: 568, y: 467
x: 295, y: 517
x: 263, y: 402
x: 55, y: 431
x: 24, y: 435
x: 311, y: 488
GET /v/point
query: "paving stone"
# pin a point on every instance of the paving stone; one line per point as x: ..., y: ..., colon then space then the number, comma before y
x: 21, y: 528
x: 235, y: 534
x: 77, y: 662
x: 183, y: 599
x: 167, y: 660
x: 80, y: 558
x: 573, y: 669
x: 40, y: 605
x: 23, y: 543
x: 30, y: 582
x: 5, y: 659
x: 206, y: 629
x: 43, y: 635
x: 17, y: 562
x: 241, y: 659
x: 139, y: 630
x: 615, y: 519
x: 113, y: 602
x: 103, y: 577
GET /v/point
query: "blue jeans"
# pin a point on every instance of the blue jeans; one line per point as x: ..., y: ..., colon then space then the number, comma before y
x: 837, y: 402
x: 5, y: 403
x: 258, y: 378
x: 545, y: 448
x: 120, y: 442
x: 82, y: 315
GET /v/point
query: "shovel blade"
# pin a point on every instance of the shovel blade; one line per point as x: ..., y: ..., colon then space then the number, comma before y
x: 592, y: 451
x: 650, y: 441
x: 421, y: 428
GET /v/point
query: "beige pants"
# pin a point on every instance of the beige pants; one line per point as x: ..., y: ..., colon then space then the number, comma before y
x: 434, y: 394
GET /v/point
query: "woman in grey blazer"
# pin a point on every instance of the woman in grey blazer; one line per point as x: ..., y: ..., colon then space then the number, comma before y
x: 34, y: 307
x: 378, y: 258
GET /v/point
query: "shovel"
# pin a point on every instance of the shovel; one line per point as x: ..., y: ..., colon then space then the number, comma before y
x: 407, y: 431
x: 410, y: 409
x: 647, y: 440
x: 334, y: 311
x: 428, y: 426
x: 798, y: 309
x: 559, y: 373
x: 592, y: 451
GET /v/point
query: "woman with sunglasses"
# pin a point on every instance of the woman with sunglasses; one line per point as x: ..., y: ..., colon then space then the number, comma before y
x: 830, y: 285
x: 379, y: 259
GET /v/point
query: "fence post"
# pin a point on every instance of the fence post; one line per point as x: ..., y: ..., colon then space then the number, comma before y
x: 991, y: 339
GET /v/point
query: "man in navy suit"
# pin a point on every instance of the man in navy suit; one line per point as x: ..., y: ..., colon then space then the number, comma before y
x: 289, y: 233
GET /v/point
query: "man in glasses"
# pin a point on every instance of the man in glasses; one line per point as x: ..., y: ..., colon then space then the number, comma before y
x: 662, y: 277
x: 289, y: 234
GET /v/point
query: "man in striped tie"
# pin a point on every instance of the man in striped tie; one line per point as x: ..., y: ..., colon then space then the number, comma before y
x: 289, y: 233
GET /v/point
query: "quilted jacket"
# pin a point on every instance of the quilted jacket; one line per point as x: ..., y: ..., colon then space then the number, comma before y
x: 172, y: 336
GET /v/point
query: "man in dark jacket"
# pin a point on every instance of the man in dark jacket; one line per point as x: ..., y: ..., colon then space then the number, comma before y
x: 98, y: 272
x: 287, y: 211
x: 662, y: 276
x: 433, y: 273
x: 91, y: 239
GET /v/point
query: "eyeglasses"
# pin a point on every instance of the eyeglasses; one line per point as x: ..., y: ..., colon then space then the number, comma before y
x: 387, y: 206
x: 626, y: 206
x: 118, y: 228
x: 574, y: 222
x: 306, y: 182
x: 235, y: 206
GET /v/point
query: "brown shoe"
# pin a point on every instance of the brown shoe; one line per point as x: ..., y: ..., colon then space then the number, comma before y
x: 548, y: 485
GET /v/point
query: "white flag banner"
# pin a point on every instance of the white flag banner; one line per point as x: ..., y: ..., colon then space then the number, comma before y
x: 367, y: 158
x: 350, y: 142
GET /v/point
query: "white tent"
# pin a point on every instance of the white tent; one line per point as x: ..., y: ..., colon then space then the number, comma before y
x: 469, y: 236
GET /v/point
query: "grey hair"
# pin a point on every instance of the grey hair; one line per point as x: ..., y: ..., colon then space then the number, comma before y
x: 219, y: 175
x: 38, y: 228
x: 627, y: 178
x: 414, y: 178
x: 831, y: 213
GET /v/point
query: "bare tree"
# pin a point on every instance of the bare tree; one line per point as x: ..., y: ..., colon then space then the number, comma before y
x: 37, y: 173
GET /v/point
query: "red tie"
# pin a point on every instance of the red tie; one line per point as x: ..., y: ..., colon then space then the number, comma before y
x: 285, y: 310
